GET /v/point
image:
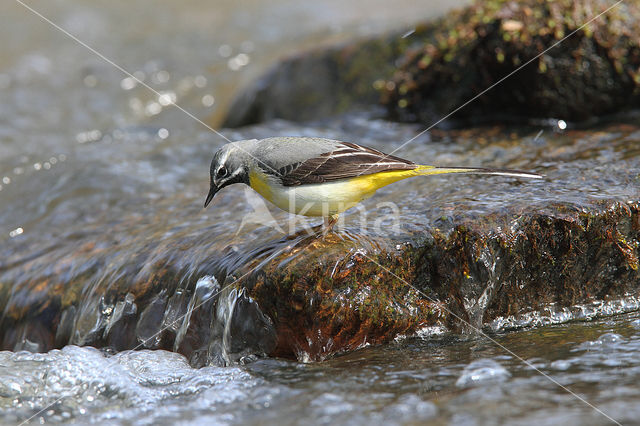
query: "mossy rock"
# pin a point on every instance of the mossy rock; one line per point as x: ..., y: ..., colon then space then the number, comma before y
x: 443, y: 64
x: 595, y: 71
x: 466, y: 252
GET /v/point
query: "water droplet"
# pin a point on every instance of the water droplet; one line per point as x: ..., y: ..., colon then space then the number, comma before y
x: 238, y: 61
x: 208, y: 100
x: 89, y: 136
x: 200, y: 81
x: 136, y: 104
x: 46, y: 165
x: 233, y: 65
x: 163, y: 133
x: 53, y: 160
x: 90, y: 80
x: 562, y: 124
x: 128, y: 83
x: 166, y: 98
x: 243, y: 59
x: 153, y: 108
x: 225, y: 50
x: 16, y: 232
x: 378, y: 84
x: 80, y: 138
x: 6, y: 180
x: 408, y: 33
x: 161, y: 76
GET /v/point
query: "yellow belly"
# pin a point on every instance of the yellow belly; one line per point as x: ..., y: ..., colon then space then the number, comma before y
x: 323, y: 199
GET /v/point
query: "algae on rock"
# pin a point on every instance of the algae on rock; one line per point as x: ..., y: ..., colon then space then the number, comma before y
x: 444, y: 63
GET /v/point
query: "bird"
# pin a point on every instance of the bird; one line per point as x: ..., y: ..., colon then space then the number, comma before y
x: 319, y: 177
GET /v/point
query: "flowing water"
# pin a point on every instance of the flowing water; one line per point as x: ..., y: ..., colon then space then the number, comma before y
x: 99, y: 175
x: 443, y: 380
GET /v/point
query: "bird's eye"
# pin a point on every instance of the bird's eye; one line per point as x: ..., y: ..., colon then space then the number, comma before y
x: 222, y: 172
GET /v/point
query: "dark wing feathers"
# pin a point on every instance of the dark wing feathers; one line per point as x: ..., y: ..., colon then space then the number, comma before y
x: 350, y: 160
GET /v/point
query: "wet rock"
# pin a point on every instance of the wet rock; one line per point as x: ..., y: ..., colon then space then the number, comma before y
x: 65, y: 327
x: 31, y: 337
x: 328, y: 299
x: 91, y: 320
x: 567, y: 248
x: 194, y: 332
x: 318, y: 84
x: 175, y: 311
x: 240, y: 330
x: 119, y: 332
x: 149, y: 326
x: 443, y: 64
x: 562, y: 259
x: 594, y: 72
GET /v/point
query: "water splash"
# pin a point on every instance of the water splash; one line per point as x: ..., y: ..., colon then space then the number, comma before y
x: 482, y: 372
x: 204, y: 299
x: 554, y: 314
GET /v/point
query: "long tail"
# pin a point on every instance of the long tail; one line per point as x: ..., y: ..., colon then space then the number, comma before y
x: 432, y: 170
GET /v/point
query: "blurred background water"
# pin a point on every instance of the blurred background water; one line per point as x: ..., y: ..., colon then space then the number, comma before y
x: 86, y: 151
x: 60, y: 100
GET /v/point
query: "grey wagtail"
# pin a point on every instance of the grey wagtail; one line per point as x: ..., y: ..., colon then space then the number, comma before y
x: 316, y: 176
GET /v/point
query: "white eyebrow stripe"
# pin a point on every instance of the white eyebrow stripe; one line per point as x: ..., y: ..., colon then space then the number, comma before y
x: 237, y: 172
x: 232, y: 175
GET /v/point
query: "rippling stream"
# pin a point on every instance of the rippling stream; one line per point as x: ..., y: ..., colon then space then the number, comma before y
x: 443, y: 380
x: 98, y: 174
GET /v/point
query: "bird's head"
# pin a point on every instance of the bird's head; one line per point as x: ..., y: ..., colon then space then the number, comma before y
x: 228, y: 166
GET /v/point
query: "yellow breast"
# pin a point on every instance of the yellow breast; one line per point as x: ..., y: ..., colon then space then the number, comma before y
x: 260, y: 182
x: 323, y: 199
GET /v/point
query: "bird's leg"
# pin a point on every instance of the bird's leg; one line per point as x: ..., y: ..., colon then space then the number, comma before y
x: 329, y: 222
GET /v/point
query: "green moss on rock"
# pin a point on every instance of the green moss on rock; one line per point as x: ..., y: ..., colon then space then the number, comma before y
x: 444, y: 63
x: 593, y: 72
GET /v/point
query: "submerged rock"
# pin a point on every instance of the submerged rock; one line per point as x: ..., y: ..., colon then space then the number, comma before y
x: 443, y: 64
x: 494, y: 256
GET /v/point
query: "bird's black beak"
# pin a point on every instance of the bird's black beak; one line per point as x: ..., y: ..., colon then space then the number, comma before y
x: 212, y: 193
